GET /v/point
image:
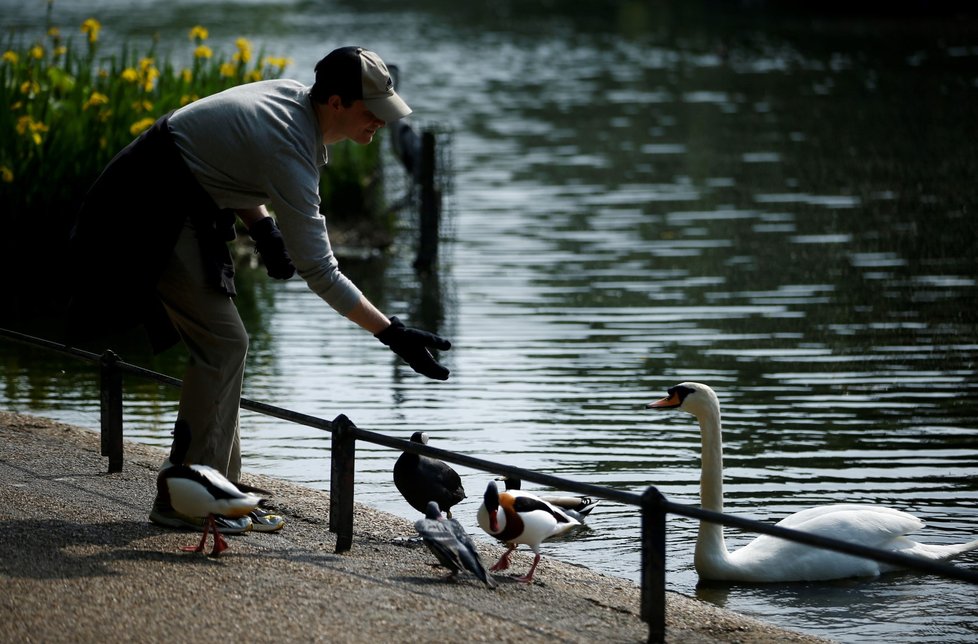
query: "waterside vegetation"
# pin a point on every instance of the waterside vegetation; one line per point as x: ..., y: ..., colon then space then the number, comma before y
x: 70, y: 107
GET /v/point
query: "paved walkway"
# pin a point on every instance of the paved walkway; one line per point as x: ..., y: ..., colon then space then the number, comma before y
x: 81, y: 563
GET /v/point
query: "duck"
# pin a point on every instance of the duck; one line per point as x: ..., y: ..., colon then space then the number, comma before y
x: 451, y: 544
x: 577, y: 507
x: 421, y: 479
x: 770, y: 559
x: 201, y: 491
x: 520, y: 517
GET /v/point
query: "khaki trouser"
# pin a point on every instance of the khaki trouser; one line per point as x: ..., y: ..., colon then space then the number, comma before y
x: 210, y: 327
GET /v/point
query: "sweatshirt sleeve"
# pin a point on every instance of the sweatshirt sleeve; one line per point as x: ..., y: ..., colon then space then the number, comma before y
x: 293, y: 185
x: 259, y: 143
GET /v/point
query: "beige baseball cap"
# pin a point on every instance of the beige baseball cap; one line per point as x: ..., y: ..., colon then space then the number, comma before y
x: 360, y: 74
x: 378, y: 88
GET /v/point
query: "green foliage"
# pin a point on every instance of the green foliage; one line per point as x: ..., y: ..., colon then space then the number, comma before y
x: 67, y: 109
x: 351, y: 189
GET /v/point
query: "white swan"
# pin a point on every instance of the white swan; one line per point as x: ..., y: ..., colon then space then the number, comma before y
x: 770, y: 559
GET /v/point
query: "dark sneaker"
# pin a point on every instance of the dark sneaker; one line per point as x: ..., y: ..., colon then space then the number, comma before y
x: 170, y: 518
x: 262, y: 521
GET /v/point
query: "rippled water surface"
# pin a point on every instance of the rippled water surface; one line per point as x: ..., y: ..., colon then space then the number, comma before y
x: 776, y: 207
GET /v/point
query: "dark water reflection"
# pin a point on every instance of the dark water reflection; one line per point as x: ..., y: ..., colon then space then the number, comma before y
x: 775, y: 205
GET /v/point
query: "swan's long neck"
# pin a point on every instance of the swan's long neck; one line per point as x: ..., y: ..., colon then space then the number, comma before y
x: 710, y: 539
x: 711, y: 476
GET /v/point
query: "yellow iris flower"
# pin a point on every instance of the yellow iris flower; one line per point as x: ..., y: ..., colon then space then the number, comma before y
x: 198, y: 33
x: 280, y: 62
x: 91, y: 27
x: 30, y: 87
x: 95, y: 100
x: 139, y: 126
x: 244, y: 50
x: 31, y: 128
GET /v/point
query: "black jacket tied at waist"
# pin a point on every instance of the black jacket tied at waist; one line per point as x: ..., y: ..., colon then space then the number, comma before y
x: 125, y: 233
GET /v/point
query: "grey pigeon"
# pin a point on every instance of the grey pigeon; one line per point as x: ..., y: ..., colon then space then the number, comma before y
x: 451, y: 544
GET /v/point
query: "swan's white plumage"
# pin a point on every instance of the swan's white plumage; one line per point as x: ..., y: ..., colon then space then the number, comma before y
x: 770, y: 559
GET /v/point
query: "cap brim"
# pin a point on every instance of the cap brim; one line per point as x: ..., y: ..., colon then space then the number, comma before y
x: 389, y: 108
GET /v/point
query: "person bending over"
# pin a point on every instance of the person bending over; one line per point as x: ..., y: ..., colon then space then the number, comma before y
x: 150, y: 241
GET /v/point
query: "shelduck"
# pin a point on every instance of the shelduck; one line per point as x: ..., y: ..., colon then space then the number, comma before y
x: 577, y: 507
x: 521, y: 517
x: 200, y: 491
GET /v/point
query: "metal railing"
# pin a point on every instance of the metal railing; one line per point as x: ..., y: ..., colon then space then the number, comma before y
x: 653, y: 505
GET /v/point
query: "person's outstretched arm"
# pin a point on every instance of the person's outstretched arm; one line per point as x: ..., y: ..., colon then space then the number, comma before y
x: 413, y: 345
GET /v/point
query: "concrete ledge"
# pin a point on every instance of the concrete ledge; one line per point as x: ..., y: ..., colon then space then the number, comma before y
x: 82, y: 562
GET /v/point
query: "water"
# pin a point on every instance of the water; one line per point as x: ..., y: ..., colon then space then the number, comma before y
x: 774, y: 205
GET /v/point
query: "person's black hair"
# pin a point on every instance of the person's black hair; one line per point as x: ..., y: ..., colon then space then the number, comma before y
x: 339, y: 73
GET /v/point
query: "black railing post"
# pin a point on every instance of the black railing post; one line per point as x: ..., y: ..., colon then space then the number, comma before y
x: 430, y: 205
x: 654, y: 563
x: 342, y: 462
x: 418, y: 154
x: 654, y: 507
x: 110, y: 390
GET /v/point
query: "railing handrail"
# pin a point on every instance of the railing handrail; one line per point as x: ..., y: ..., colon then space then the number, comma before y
x: 556, y: 482
x: 628, y: 498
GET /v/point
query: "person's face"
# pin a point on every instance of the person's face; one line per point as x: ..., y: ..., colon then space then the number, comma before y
x: 359, y: 124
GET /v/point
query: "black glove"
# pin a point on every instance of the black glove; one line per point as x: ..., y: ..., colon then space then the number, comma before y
x: 269, y: 244
x: 412, y: 345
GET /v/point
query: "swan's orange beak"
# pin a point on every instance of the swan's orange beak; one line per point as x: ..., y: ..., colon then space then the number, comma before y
x: 669, y: 402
